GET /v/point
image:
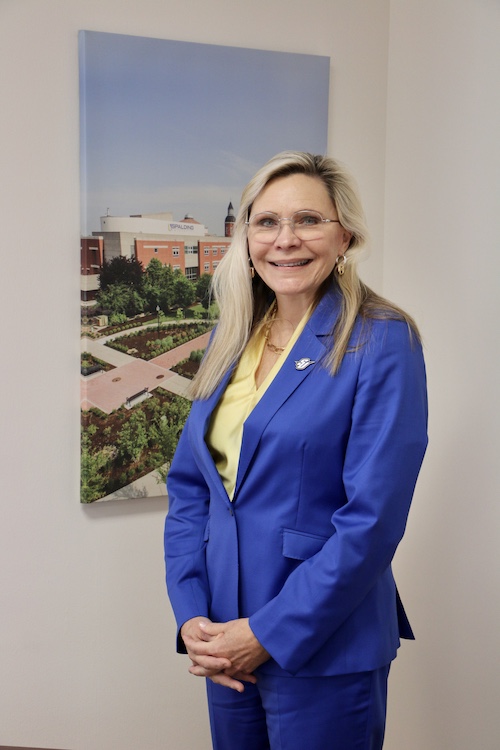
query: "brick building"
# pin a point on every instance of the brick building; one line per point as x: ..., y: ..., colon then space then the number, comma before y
x: 91, y: 260
x: 184, y: 245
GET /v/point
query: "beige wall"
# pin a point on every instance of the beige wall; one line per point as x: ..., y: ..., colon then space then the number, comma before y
x: 86, y: 646
x: 442, y: 260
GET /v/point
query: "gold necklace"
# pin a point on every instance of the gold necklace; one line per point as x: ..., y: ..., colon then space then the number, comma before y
x: 267, y: 331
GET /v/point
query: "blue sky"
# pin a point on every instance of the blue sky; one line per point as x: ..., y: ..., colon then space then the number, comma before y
x: 181, y: 127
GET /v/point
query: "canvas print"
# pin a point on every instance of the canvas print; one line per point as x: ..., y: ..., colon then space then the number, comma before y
x: 170, y: 133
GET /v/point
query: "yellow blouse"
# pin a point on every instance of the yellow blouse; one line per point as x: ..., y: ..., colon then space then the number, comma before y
x: 225, y: 431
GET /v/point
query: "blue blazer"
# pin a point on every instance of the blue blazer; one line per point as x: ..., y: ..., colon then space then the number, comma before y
x: 326, y: 475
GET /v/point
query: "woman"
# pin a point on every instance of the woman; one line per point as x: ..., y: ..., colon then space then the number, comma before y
x: 292, y: 481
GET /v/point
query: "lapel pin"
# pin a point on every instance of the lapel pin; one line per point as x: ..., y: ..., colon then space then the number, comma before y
x: 301, y: 364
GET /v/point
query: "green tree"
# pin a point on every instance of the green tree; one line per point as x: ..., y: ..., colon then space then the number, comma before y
x: 133, y: 437
x: 93, y: 476
x: 114, y: 298
x: 158, y: 286
x: 203, y: 289
x: 165, y: 436
x: 167, y: 429
x: 120, y: 270
x: 121, y: 299
x: 184, y: 290
x: 153, y: 282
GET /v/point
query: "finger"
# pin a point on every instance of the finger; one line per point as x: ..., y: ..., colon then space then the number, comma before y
x: 211, y: 663
x: 226, y: 681
x: 212, y: 629
x: 212, y: 649
x: 198, y: 671
x: 244, y: 676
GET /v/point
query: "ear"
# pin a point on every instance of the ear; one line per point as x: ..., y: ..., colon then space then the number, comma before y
x: 346, y: 239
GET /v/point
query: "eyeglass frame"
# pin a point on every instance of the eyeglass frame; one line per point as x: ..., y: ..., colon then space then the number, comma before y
x: 290, y: 219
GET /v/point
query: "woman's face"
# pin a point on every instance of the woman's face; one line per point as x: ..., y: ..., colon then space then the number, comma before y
x: 292, y: 267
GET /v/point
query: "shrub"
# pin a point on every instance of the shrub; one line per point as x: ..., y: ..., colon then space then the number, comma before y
x: 118, y: 318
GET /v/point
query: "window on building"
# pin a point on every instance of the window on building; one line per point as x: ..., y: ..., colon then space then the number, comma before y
x: 175, y: 252
x: 206, y: 267
x: 207, y: 251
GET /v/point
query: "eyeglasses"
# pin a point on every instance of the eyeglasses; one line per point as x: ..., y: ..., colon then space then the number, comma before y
x: 306, y: 225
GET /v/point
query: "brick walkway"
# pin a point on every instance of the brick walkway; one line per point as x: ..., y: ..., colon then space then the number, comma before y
x: 110, y: 390
x: 171, y: 358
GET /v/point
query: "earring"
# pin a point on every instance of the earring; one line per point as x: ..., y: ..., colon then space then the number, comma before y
x: 340, y: 264
x: 252, y: 269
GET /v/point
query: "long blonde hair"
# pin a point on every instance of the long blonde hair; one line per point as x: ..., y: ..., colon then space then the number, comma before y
x: 243, y: 301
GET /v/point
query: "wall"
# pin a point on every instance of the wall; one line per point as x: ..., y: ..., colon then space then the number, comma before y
x: 87, y: 638
x: 86, y: 648
x: 442, y: 260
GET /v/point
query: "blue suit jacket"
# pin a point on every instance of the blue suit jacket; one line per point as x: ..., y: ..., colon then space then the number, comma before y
x: 326, y: 475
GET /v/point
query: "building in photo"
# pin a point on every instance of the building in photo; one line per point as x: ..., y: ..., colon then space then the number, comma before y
x: 184, y: 245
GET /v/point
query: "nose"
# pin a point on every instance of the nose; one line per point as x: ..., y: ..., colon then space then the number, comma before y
x: 286, y: 236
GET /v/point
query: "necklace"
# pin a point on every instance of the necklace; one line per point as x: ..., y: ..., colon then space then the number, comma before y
x: 267, y: 331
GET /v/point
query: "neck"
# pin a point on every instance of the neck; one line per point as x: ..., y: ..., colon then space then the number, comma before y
x: 292, y: 308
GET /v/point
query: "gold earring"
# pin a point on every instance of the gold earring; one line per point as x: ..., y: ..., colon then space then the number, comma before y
x: 340, y: 264
x: 252, y: 269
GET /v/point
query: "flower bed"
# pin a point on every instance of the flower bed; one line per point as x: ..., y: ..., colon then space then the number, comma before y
x: 151, y: 342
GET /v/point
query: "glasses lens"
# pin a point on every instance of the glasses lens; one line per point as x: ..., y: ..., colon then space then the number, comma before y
x: 266, y: 222
x: 307, y: 224
x: 265, y: 226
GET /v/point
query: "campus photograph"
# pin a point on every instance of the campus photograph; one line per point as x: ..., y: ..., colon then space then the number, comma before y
x: 167, y: 145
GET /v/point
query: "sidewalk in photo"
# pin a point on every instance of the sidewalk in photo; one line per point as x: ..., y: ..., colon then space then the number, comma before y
x: 97, y: 348
x: 108, y: 391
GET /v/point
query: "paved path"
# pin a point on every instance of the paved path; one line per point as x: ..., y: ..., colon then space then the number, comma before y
x: 106, y: 353
x: 171, y: 358
x: 111, y: 389
x: 108, y: 391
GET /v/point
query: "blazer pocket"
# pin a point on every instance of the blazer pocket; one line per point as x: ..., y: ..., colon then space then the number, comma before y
x: 300, y: 545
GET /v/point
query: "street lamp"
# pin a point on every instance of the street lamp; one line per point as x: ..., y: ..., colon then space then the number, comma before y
x: 158, y: 311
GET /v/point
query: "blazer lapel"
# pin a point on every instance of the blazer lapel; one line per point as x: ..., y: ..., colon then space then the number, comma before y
x: 308, y: 350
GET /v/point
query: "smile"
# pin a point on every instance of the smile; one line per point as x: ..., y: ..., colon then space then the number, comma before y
x: 291, y: 264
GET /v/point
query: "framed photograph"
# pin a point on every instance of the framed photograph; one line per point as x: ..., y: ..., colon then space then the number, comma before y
x: 170, y: 134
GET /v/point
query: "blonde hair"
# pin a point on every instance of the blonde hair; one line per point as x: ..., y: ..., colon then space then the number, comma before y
x: 243, y: 301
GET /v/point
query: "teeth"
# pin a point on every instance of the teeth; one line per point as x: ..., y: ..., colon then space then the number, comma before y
x: 291, y: 265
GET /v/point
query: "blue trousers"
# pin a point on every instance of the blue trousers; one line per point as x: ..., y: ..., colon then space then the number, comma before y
x: 344, y: 712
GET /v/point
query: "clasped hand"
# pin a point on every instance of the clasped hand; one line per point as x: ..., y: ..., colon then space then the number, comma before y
x: 225, y: 652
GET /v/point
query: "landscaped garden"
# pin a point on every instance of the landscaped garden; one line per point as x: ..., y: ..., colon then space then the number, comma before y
x: 152, y: 311
x: 90, y: 364
x: 151, y: 342
x: 123, y: 446
x: 189, y: 367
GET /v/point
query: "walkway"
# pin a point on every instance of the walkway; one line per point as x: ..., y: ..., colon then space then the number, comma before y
x: 108, y: 391
x: 106, y: 353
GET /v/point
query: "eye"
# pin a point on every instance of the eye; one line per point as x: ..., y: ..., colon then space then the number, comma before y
x: 307, y: 219
x: 265, y: 221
